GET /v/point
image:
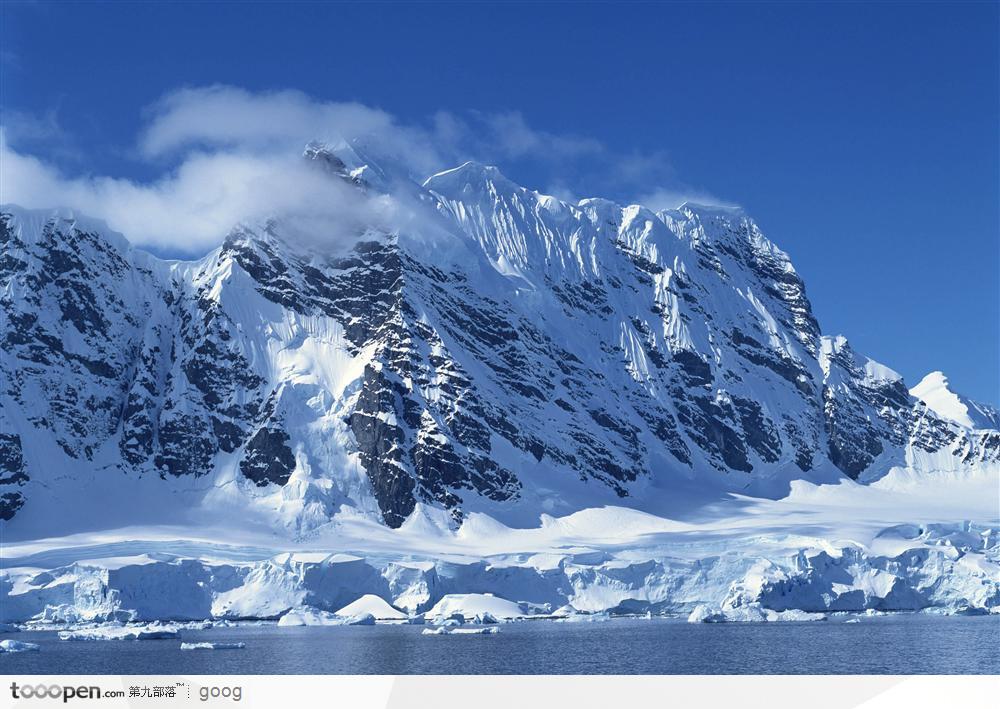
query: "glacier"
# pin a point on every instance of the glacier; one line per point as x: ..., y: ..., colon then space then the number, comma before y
x: 582, y: 409
x: 814, y: 553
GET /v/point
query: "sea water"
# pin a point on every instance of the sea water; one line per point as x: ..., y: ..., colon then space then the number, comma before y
x: 900, y: 644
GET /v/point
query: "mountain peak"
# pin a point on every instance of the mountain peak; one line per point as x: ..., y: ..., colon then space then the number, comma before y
x: 349, y: 162
x: 703, y: 208
x: 936, y: 392
x: 469, y: 174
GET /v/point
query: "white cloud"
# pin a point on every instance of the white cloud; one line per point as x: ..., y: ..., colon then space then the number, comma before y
x: 192, y: 208
x: 228, y: 118
x: 231, y: 155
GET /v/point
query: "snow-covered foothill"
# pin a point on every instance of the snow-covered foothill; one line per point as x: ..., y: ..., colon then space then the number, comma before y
x: 360, y: 619
x: 469, y: 606
x: 376, y: 606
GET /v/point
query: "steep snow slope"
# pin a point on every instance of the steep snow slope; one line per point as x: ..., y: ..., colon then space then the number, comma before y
x: 936, y: 393
x: 487, y: 349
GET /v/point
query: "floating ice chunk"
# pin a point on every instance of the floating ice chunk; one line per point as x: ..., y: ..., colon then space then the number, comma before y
x: 445, y: 630
x: 454, y: 620
x: 745, y: 614
x: 309, y: 616
x: 752, y: 613
x: 196, y: 625
x: 373, y: 605
x: 794, y: 614
x: 584, y: 618
x: 213, y: 646
x: 17, y: 646
x: 704, y: 614
x: 153, y: 631
x: 312, y: 616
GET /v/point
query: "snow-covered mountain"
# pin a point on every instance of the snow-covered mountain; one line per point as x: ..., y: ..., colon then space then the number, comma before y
x: 499, y: 351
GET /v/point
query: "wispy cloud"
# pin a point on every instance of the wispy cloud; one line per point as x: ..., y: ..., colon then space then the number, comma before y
x: 227, y: 154
x: 513, y: 137
x: 40, y: 131
x: 663, y: 198
x: 228, y: 118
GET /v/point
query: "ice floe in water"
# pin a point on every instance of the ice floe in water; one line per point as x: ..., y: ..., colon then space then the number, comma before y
x: 752, y: 613
x: 583, y: 618
x: 8, y: 646
x: 213, y: 646
x: 446, y: 630
x: 152, y: 631
x: 312, y: 616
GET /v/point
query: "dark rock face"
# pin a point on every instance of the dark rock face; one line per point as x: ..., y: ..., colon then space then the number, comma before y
x: 381, y: 447
x: 267, y: 458
x: 13, y: 474
x: 68, y: 331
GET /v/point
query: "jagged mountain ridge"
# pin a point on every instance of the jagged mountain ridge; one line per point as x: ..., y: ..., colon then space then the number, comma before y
x: 510, y: 353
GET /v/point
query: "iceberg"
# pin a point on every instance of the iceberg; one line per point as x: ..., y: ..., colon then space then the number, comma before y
x: 10, y: 646
x: 312, y: 616
x: 153, y: 631
x: 487, y: 630
x: 213, y: 646
x: 583, y: 618
x: 703, y: 614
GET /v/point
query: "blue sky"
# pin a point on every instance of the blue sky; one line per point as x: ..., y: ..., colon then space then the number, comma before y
x: 862, y: 137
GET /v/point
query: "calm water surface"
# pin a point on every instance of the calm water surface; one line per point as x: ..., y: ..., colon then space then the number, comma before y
x: 910, y: 644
